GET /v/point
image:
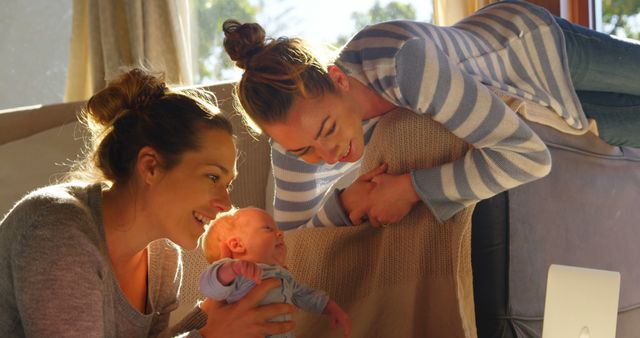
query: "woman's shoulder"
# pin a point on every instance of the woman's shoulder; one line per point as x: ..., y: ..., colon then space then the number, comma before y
x: 54, y: 224
x: 389, y: 33
x: 55, y: 196
x: 377, y: 45
x: 509, y: 10
x: 58, y: 210
x: 54, y: 201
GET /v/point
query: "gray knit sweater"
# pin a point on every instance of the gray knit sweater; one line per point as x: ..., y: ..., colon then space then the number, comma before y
x: 56, y: 278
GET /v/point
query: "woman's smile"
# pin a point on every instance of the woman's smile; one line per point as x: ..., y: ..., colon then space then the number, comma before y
x: 345, y: 157
x: 318, y: 129
x: 201, y: 219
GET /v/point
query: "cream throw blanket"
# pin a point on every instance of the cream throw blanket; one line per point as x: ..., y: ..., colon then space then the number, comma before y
x: 411, y: 279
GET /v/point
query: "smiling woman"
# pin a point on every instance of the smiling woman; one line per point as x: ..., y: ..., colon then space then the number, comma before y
x: 332, y: 131
x: 195, y: 189
x: 99, y: 256
x: 478, y: 78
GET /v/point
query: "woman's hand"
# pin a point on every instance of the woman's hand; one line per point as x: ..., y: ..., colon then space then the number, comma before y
x: 391, y: 199
x: 245, y: 318
x: 354, y: 199
x: 379, y: 198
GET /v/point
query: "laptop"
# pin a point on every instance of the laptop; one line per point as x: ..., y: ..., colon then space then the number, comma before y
x: 580, y: 303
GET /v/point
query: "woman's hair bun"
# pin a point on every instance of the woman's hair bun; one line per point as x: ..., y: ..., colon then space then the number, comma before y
x: 242, y: 41
x: 132, y: 92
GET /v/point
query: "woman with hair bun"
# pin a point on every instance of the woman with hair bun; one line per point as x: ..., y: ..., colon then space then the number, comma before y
x: 473, y: 78
x: 99, y: 257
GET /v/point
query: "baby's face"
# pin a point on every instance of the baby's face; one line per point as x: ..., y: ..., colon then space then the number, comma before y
x: 263, y: 240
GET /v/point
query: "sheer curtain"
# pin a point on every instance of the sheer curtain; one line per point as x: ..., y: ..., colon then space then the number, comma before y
x: 108, y: 35
x: 448, y: 12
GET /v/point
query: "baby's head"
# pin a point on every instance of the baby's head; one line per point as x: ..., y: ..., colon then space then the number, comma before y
x: 249, y: 233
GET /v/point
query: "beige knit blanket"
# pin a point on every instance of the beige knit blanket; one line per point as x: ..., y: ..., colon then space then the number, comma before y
x: 411, y: 279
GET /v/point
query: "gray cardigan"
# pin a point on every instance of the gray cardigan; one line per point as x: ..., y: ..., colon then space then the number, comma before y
x: 56, y: 278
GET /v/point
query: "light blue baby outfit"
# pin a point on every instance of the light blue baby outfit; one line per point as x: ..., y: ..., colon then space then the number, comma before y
x: 290, y: 292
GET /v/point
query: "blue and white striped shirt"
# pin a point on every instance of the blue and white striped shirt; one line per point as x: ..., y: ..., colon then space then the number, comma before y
x: 457, y: 76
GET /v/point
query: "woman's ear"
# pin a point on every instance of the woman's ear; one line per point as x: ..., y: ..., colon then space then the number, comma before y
x: 148, y: 164
x: 339, y: 78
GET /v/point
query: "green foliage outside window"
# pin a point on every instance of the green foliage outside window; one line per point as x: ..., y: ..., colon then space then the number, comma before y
x: 617, y: 14
x: 212, y: 63
x: 394, y: 10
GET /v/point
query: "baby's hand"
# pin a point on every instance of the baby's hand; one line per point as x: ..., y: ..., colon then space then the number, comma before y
x: 338, y: 316
x: 247, y: 269
x: 229, y: 271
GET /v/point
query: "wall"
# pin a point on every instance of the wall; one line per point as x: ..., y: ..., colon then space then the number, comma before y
x: 34, y: 48
x: 554, y: 6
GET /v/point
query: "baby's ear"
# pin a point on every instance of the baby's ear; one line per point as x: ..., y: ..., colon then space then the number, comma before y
x: 233, y: 245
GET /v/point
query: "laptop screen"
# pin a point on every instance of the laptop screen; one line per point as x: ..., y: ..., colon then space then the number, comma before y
x: 580, y: 303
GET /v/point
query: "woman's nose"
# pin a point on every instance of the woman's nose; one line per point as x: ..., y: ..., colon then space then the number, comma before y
x: 222, y: 202
x: 328, y: 153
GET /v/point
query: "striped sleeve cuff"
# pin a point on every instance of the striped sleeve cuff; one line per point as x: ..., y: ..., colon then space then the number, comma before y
x: 334, y: 211
x: 427, y: 183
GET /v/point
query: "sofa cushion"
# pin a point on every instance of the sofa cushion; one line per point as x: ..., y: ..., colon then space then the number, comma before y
x: 37, y: 160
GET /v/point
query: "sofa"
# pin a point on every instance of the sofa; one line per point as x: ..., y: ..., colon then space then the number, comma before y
x: 584, y: 213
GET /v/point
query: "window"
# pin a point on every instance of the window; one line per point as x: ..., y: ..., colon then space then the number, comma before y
x: 619, y: 17
x: 329, y: 22
x: 35, y: 51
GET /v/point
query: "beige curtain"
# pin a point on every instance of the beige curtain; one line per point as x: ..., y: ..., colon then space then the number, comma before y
x: 109, y: 35
x: 448, y: 12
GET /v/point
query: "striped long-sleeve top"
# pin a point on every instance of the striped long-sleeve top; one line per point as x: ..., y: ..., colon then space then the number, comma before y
x: 457, y: 75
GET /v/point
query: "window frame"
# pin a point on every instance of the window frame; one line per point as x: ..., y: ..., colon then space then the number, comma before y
x: 587, y: 13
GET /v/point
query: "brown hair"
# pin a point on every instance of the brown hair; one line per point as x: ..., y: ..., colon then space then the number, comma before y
x: 275, y: 71
x: 136, y: 110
